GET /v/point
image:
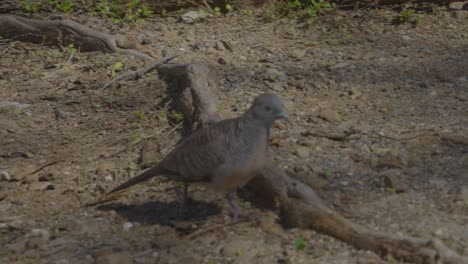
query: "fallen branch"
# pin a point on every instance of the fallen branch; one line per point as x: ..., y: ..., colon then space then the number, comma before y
x: 135, y: 75
x: 63, y: 33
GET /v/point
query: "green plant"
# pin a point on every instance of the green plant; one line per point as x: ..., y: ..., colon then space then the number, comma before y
x: 118, y: 66
x: 299, y: 243
x: 294, y: 8
x: 65, y: 6
x: 133, y: 11
x: 135, y: 135
x: 217, y: 10
x: 107, y: 100
x: 30, y: 6
x: 177, y: 116
x: 140, y: 115
x: 229, y: 8
x: 407, y: 16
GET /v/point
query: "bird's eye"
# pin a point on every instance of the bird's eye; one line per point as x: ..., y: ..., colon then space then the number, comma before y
x: 267, y: 108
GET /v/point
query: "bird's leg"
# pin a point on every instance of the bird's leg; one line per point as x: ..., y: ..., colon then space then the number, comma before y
x: 182, y: 196
x: 236, y: 211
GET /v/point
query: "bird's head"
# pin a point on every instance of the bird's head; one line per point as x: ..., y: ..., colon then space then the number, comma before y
x: 268, y: 108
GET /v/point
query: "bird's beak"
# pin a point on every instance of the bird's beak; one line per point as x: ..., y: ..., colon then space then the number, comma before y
x: 283, y: 116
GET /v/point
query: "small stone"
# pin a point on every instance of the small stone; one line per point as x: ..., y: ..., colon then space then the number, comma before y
x: 297, y: 54
x: 144, y: 40
x: 315, y: 181
x: 405, y: 38
x: 104, y: 168
x: 220, y: 46
x: 458, y: 6
x: 330, y: 115
x: 302, y: 152
x: 340, y: 65
x: 243, y: 58
x: 31, y: 178
x: 12, y: 107
x: 41, y: 186
x: 127, y: 226
x: 462, y: 196
x: 5, y: 176
x: 274, y: 75
x: 40, y: 233
x: 149, y: 154
x: 192, y: 17
x: 222, y: 61
x: 393, y: 179
x: 60, y: 113
x: 211, y: 50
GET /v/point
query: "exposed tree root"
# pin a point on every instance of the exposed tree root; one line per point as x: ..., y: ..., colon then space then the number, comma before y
x: 62, y: 33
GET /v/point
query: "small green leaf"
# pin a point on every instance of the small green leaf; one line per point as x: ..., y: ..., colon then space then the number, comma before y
x: 133, y: 166
x: 299, y: 243
x: 140, y: 115
x: 229, y: 7
x: 135, y: 135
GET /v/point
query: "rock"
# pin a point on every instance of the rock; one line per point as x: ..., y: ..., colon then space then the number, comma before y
x: 144, y: 40
x: 13, y: 107
x: 220, y: 46
x: 393, y: 179
x: 274, y: 75
x: 192, y: 17
x: 405, y: 38
x: 39, y: 238
x: 5, y: 176
x: 127, y: 226
x: 41, y: 186
x: 302, y: 152
x: 243, y: 58
x: 297, y: 54
x: 461, y: 196
x: 315, y: 181
x: 149, y: 154
x: 340, y: 65
x: 222, y: 61
x: 114, y: 258
x: 458, y: 6
x: 104, y: 168
x: 268, y: 223
x: 31, y: 178
x: 277, y: 87
x: 61, y: 114
x: 8, y: 125
x: 330, y: 115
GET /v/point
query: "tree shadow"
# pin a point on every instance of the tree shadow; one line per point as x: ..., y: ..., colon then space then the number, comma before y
x: 162, y: 213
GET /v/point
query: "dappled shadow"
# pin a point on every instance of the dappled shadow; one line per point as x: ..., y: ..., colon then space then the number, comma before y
x: 156, y: 212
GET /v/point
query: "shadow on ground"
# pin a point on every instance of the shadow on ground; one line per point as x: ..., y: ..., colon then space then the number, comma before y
x: 155, y: 212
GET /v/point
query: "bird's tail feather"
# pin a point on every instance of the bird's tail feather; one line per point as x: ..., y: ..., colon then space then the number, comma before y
x: 119, y: 190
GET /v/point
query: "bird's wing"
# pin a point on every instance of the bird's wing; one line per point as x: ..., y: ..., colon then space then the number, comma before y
x: 198, y: 156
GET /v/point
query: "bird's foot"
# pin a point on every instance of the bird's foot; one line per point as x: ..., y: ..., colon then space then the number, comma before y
x: 237, y: 213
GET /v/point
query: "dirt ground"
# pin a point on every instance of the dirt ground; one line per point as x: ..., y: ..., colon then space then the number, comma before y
x: 380, y: 126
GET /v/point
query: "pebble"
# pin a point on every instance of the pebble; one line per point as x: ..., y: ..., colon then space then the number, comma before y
x: 297, y: 54
x: 302, y: 152
x: 458, y: 6
x: 192, y: 16
x: 330, y: 115
x: 5, y: 176
x: 127, y: 226
x: 13, y: 107
x: 274, y: 75
x: 41, y: 186
x: 395, y: 180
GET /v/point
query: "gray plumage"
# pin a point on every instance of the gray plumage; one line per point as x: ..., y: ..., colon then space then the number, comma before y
x: 226, y: 154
